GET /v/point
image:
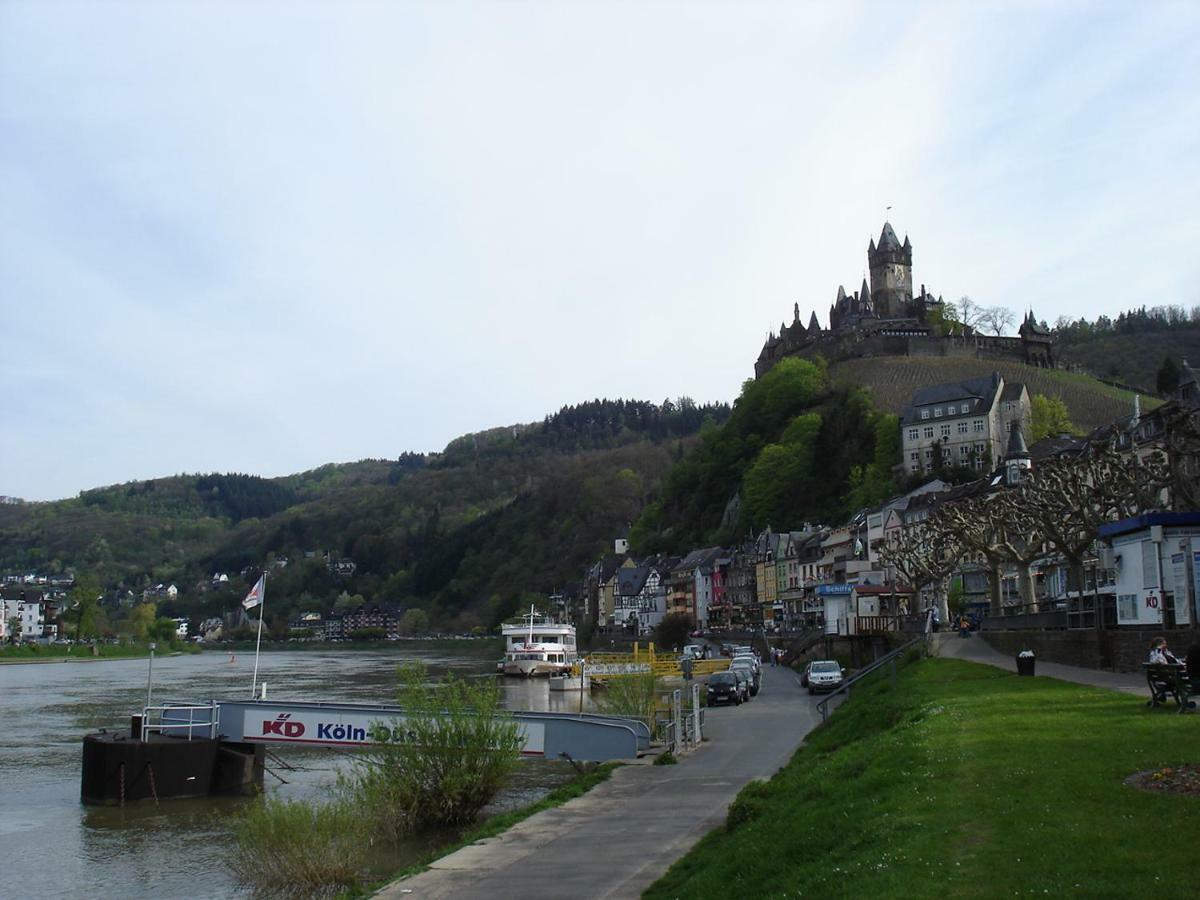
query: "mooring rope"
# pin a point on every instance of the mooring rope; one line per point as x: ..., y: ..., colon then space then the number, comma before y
x: 153, y: 789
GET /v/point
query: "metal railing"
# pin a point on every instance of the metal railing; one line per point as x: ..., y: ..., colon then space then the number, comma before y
x: 888, y: 659
x: 170, y: 718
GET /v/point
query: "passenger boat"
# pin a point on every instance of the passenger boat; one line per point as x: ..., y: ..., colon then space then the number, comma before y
x: 538, y: 646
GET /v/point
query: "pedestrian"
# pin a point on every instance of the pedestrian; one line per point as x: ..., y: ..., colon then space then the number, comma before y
x: 1160, y: 655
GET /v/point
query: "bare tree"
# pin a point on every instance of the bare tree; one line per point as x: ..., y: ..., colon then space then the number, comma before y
x: 997, y: 319
x: 969, y: 312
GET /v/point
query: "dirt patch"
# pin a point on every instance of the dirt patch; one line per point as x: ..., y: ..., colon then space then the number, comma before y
x: 1184, y: 779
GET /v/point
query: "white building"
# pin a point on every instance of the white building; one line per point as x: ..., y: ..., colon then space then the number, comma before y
x: 1157, y: 561
x: 962, y: 423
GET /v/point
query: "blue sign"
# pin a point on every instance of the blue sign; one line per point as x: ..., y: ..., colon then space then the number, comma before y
x: 833, y: 590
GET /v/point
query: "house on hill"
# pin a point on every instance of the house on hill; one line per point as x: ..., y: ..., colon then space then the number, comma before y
x: 962, y: 423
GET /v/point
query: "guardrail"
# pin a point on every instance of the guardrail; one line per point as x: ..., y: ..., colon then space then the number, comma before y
x: 170, y: 718
x: 888, y: 659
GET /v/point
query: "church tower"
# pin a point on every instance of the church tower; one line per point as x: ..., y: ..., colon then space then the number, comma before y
x: 891, y: 275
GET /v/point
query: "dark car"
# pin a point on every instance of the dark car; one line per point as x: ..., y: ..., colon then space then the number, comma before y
x: 723, y: 688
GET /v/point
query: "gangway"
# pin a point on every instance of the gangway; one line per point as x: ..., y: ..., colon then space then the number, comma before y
x: 583, y: 737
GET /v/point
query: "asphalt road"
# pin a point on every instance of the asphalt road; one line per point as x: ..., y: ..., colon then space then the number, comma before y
x: 623, y: 835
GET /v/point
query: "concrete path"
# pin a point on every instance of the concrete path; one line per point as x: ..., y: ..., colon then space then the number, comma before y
x: 620, y: 837
x: 975, y: 649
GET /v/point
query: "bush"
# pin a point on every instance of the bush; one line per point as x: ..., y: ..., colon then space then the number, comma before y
x: 635, y: 696
x: 455, y: 751
x: 288, y: 848
x: 748, y: 805
x: 666, y: 758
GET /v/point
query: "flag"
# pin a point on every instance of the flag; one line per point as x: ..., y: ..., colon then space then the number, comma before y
x: 255, y: 597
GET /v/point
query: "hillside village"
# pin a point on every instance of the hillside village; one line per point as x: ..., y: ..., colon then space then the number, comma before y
x: 786, y: 576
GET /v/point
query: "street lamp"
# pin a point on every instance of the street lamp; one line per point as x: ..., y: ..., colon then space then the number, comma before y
x: 150, y: 676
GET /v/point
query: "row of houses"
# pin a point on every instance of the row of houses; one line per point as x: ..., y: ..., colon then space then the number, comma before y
x: 833, y: 577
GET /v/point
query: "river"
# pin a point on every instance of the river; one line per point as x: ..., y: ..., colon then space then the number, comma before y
x: 56, y: 847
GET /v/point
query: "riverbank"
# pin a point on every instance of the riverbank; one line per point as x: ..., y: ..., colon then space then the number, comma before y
x: 618, y: 838
x: 57, y: 653
x: 963, y: 781
x: 473, y: 646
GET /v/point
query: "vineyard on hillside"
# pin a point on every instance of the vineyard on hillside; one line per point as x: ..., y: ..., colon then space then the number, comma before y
x: 892, y: 381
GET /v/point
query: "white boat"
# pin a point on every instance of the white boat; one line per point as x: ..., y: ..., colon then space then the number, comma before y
x: 538, y: 646
x: 569, y: 682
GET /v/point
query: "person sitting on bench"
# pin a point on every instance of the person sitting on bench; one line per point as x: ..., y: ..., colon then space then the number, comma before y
x: 1160, y: 655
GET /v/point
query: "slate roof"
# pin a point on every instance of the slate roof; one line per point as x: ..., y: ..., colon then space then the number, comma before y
x: 631, y: 581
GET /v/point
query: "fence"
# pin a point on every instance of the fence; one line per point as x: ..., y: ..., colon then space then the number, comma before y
x: 167, y: 719
x: 888, y: 660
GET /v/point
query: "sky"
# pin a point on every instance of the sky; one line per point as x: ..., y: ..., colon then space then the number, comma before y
x: 261, y: 237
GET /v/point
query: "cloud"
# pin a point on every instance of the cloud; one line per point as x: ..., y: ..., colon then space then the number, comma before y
x: 263, y: 237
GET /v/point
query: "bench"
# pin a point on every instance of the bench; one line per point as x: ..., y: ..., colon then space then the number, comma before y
x: 1167, y: 680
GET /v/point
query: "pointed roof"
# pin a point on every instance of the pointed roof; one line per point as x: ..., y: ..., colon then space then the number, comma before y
x: 796, y: 312
x: 813, y: 324
x: 888, y: 239
x: 841, y: 293
x: 1016, y: 444
x: 907, y: 243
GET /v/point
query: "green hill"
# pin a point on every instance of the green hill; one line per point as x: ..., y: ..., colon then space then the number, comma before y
x: 1133, y: 359
x: 892, y: 380
x: 462, y: 533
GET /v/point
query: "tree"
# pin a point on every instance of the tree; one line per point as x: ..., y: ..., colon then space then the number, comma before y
x: 1049, y: 416
x: 414, y: 621
x: 672, y: 632
x: 1167, y: 380
x: 141, y: 620
x: 85, y: 603
x: 996, y: 319
x: 456, y: 749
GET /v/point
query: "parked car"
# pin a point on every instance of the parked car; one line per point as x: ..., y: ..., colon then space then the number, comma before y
x: 723, y: 687
x: 744, y: 664
x: 822, y: 675
x: 727, y: 649
x: 744, y: 681
x: 747, y: 657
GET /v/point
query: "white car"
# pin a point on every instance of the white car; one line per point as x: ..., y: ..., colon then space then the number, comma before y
x: 823, y: 675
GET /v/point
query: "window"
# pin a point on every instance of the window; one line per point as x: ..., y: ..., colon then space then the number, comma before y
x: 979, y: 448
x: 964, y: 451
x: 924, y: 414
x: 928, y: 431
x: 913, y: 434
x: 937, y: 412
x: 966, y: 408
x: 915, y: 456
x: 962, y: 427
x: 929, y: 453
x: 978, y: 425
x: 1149, y: 564
x: 945, y: 431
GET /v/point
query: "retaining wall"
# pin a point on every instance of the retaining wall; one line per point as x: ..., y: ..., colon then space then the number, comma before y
x: 1114, y: 650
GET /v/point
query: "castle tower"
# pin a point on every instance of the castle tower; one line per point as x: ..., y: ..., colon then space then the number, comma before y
x: 891, y: 275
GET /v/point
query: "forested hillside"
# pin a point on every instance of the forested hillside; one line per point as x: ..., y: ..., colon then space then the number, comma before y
x: 796, y: 448
x: 461, y: 533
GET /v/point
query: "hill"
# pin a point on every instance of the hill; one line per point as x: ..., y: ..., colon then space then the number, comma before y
x: 462, y: 533
x: 1132, y: 359
x: 892, y: 380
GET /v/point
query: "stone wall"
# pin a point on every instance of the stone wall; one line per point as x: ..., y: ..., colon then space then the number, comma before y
x: 1115, y: 650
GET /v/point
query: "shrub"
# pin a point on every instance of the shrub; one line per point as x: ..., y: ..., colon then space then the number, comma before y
x: 635, y: 696
x: 289, y: 848
x: 748, y: 805
x: 666, y: 758
x: 455, y: 751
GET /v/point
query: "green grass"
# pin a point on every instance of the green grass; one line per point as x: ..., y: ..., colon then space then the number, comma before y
x: 38, y: 652
x: 964, y: 781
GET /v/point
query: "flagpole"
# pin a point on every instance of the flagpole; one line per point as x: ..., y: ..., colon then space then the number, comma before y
x: 262, y: 608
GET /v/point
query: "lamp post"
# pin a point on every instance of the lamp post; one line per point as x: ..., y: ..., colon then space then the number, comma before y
x: 150, y: 676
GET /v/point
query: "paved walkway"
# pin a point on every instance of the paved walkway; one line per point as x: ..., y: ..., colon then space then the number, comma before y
x: 975, y: 649
x: 620, y: 837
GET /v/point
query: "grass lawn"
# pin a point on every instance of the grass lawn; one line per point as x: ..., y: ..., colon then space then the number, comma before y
x: 965, y: 781
x: 83, y: 652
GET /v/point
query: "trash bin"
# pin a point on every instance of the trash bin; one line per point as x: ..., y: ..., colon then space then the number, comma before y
x: 1025, y: 665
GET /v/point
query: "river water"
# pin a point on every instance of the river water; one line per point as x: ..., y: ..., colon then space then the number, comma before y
x: 56, y: 847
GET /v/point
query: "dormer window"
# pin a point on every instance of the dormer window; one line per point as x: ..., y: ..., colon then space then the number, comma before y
x: 937, y: 412
x: 966, y: 408
x: 924, y: 414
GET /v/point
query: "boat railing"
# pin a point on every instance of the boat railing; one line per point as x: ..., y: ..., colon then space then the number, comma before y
x: 170, y: 719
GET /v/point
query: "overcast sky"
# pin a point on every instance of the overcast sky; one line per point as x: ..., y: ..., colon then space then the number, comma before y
x: 261, y: 237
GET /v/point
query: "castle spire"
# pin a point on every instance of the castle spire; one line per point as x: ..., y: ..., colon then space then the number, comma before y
x: 813, y: 324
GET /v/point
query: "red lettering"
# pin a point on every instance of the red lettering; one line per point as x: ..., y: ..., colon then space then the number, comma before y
x: 293, y: 729
x: 1151, y: 603
x: 275, y: 727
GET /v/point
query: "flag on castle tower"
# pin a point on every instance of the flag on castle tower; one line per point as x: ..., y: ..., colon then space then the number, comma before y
x: 255, y: 597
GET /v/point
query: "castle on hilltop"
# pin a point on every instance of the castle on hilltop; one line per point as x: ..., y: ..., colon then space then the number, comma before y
x: 885, y: 318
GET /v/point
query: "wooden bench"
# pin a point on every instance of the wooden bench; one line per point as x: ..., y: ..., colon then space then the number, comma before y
x: 1167, y: 680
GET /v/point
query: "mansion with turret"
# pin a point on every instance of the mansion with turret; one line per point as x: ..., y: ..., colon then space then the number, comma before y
x: 888, y: 318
